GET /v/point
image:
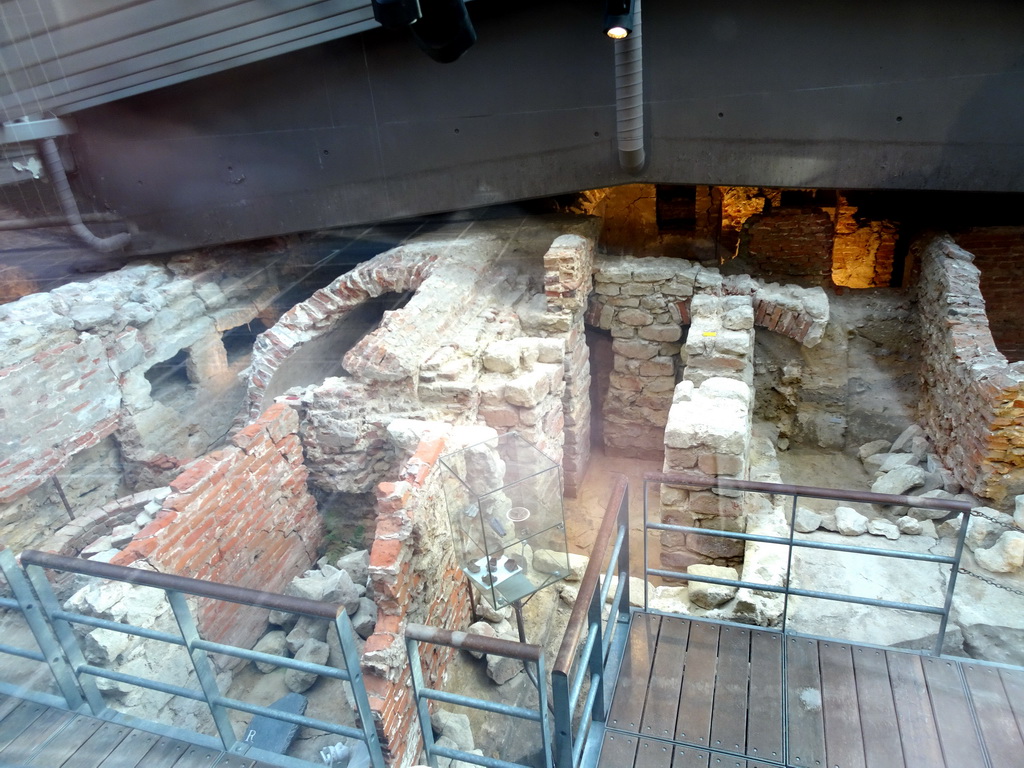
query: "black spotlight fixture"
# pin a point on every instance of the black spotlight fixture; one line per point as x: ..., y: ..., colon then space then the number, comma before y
x: 618, y: 18
x: 445, y: 31
x: 396, y: 14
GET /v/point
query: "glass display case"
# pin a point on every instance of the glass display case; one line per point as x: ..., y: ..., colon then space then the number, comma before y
x: 504, y: 500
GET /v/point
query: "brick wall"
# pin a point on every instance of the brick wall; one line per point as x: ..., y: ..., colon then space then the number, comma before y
x: 999, y: 254
x: 791, y: 244
x: 414, y: 577
x: 241, y: 515
x: 973, y: 404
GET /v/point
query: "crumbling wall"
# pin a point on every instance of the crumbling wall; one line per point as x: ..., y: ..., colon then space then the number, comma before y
x: 973, y: 399
x: 492, y: 334
x: 414, y: 577
x: 793, y: 245
x: 74, y: 392
x: 645, y: 304
x: 999, y: 254
x: 241, y: 515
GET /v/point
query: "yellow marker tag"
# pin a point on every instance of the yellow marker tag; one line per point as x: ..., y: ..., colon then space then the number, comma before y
x: 710, y: 333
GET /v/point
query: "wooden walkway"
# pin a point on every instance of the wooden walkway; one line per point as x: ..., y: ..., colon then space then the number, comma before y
x: 35, y: 735
x: 693, y: 694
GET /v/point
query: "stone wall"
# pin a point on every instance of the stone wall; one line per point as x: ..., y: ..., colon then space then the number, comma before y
x: 645, y: 304
x: 241, y: 515
x: 493, y: 334
x: 999, y: 254
x: 793, y: 245
x: 973, y: 403
x: 78, y: 390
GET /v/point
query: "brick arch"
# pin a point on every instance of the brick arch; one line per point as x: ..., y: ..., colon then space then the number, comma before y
x: 396, y: 271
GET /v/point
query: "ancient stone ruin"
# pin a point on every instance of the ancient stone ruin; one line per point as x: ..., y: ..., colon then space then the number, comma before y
x: 191, y: 424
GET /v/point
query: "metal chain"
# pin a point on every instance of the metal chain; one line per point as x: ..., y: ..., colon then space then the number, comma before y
x: 990, y: 581
x: 1012, y: 525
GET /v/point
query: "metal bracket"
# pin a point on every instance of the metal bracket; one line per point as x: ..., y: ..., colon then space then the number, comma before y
x: 26, y: 129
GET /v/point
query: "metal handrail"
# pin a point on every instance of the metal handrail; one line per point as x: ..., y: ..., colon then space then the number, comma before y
x: 52, y: 628
x: 959, y: 506
x: 586, y: 617
x: 422, y: 693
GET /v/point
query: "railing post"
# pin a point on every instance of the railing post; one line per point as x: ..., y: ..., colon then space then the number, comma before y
x: 201, y: 664
x: 61, y: 670
x: 596, y: 660
x: 623, y: 564
x: 422, y: 708
x: 563, y: 719
x: 954, y: 571
x: 346, y: 637
x: 66, y: 637
x: 545, y: 721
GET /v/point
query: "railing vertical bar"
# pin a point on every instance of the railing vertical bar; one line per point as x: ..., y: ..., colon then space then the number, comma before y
x: 954, y: 571
x: 201, y: 664
x: 422, y: 707
x: 596, y: 656
x: 623, y: 554
x: 545, y: 717
x: 65, y: 635
x: 646, y: 552
x: 789, y: 563
x: 563, y: 719
x: 52, y: 654
x: 346, y: 638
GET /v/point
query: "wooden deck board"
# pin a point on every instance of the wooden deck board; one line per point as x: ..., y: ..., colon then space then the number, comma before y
x: 995, y: 716
x: 882, y: 746
x: 731, y: 705
x: 1013, y: 684
x: 631, y: 687
x: 17, y: 720
x: 803, y: 703
x: 21, y: 748
x: 653, y: 754
x: 921, y: 747
x: 844, y: 742
x: 697, y: 694
x: 764, y: 732
x: 618, y: 750
x: 691, y: 757
x: 62, y: 746
x: 129, y: 750
x: 659, y: 718
x: 953, y: 718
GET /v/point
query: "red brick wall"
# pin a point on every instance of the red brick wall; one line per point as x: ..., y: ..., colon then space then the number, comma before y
x: 242, y: 516
x: 792, y: 245
x: 414, y: 577
x: 999, y: 254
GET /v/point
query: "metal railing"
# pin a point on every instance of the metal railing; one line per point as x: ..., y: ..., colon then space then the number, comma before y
x: 525, y: 652
x: 963, y: 508
x: 578, y: 663
x: 75, y: 678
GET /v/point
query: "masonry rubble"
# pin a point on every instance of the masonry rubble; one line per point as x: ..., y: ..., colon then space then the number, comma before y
x: 79, y: 402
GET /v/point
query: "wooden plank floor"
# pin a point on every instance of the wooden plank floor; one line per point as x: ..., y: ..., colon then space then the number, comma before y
x: 694, y: 694
x: 35, y: 735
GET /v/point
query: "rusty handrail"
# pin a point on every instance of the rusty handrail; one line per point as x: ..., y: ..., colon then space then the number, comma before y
x: 866, y: 497
x: 578, y: 619
x: 168, y: 581
x: 470, y: 642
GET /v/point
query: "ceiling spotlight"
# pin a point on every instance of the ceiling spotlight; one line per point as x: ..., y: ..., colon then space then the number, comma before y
x: 618, y: 18
x: 395, y: 14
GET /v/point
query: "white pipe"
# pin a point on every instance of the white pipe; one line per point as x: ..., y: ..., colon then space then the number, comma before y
x: 68, y: 204
x: 629, y: 97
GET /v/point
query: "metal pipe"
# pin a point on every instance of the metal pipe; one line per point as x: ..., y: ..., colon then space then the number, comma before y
x: 470, y: 642
x: 54, y: 221
x: 867, y: 497
x: 629, y: 97
x: 68, y: 204
x: 63, y: 498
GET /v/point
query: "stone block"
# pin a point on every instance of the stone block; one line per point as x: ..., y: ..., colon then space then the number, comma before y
x: 528, y: 389
x: 850, y: 522
x: 707, y: 595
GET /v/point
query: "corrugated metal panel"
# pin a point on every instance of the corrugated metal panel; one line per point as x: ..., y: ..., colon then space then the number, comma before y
x: 60, y: 56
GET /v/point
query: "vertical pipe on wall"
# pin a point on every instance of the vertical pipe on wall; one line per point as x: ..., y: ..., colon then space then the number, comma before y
x: 629, y: 97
